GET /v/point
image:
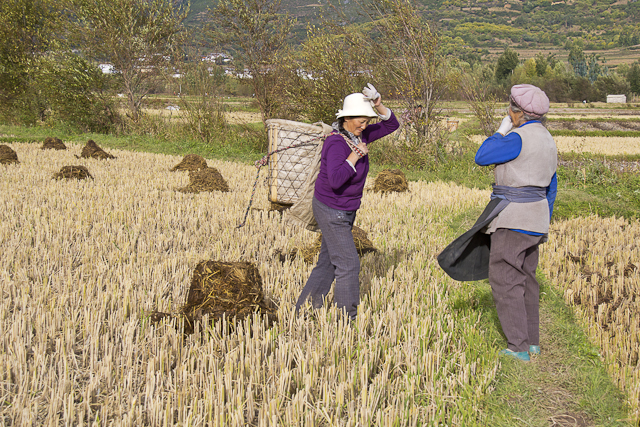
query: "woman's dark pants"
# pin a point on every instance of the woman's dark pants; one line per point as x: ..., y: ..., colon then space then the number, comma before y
x: 512, y: 274
x: 338, y: 260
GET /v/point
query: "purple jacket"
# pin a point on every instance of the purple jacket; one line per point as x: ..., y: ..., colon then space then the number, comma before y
x: 338, y: 185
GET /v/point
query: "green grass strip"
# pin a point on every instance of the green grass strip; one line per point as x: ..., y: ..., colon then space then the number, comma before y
x: 566, y: 384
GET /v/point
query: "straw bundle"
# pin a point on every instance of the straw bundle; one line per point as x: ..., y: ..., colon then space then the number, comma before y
x: 207, y: 179
x: 92, y: 150
x: 190, y: 162
x: 7, y: 155
x: 225, y: 289
x: 391, y: 180
x: 52, y: 143
x: 69, y: 172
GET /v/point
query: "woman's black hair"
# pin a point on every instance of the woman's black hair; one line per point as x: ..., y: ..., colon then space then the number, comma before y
x: 341, y: 128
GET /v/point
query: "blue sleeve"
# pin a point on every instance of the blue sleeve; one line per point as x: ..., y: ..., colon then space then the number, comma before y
x: 499, y: 149
x: 552, y: 191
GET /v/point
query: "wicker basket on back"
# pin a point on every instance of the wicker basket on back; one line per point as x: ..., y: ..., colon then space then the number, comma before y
x: 289, y: 168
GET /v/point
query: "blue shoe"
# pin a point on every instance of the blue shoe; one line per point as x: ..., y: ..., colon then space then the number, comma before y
x: 534, y: 349
x: 521, y: 355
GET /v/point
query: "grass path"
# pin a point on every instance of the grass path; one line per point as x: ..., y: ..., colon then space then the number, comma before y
x: 566, y: 385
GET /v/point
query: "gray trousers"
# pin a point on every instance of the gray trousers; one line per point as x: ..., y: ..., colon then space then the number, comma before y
x: 338, y: 260
x: 512, y: 274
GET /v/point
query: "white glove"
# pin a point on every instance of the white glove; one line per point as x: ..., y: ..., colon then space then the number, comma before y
x: 505, y: 126
x: 370, y: 93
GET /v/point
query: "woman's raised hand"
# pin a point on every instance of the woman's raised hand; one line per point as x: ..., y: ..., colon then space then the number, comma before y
x: 371, y: 94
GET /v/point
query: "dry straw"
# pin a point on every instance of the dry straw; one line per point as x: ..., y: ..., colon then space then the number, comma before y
x: 73, y: 172
x: 92, y: 150
x: 609, y: 145
x: 391, y: 180
x: 206, y: 179
x: 52, y: 143
x: 85, y: 262
x: 309, y: 253
x: 597, y: 263
x: 190, y: 162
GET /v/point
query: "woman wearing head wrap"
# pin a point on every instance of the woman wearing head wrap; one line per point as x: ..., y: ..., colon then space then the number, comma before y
x: 503, y: 243
x: 525, y: 157
x: 338, y: 190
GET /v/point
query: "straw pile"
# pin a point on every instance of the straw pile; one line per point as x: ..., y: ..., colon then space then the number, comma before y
x: 92, y: 150
x: 52, y: 143
x: 280, y: 207
x: 207, y: 179
x: 363, y: 245
x: 69, y: 172
x: 7, y: 155
x: 391, y: 180
x: 190, y: 162
x: 229, y: 289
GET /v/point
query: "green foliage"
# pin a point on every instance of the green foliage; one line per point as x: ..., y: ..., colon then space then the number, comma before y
x: 257, y: 30
x: 76, y: 94
x: 140, y: 39
x: 590, y: 185
x: 202, y: 110
x: 507, y: 62
x: 332, y: 58
x: 408, y: 56
x: 482, y: 101
x: 28, y: 28
x: 633, y: 76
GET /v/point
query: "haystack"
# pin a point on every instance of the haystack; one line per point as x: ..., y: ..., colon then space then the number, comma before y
x: 280, y: 207
x: 363, y: 245
x: 190, y: 162
x: 7, y: 155
x: 391, y: 180
x: 77, y: 172
x: 52, y: 143
x: 207, y: 179
x: 230, y: 289
x: 91, y: 150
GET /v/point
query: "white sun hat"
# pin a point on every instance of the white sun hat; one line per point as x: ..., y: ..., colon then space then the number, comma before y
x: 355, y: 105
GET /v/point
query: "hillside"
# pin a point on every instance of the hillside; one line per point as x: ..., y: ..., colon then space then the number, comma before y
x: 609, y: 27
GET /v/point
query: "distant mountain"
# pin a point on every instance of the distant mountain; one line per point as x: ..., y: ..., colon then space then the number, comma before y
x: 601, y: 24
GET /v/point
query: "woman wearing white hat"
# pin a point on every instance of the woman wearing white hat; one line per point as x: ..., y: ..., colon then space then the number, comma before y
x: 338, y: 191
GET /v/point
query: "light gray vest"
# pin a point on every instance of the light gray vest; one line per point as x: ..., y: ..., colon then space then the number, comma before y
x: 535, y: 166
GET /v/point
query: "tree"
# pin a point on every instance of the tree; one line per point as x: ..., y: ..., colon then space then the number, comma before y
x: 258, y: 30
x: 139, y: 37
x: 28, y: 28
x: 633, y: 77
x: 408, y: 56
x: 507, y: 62
x: 331, y: 60
x: 610, y: 85
x: 577, y: 60
x: 203, y: 111
x: 483, y: 103
x: 541, y: 64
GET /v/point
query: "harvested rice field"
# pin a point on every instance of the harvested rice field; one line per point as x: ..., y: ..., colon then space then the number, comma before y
x: 86, y: 262
x: 609, y: 145
x: 596, y: 263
